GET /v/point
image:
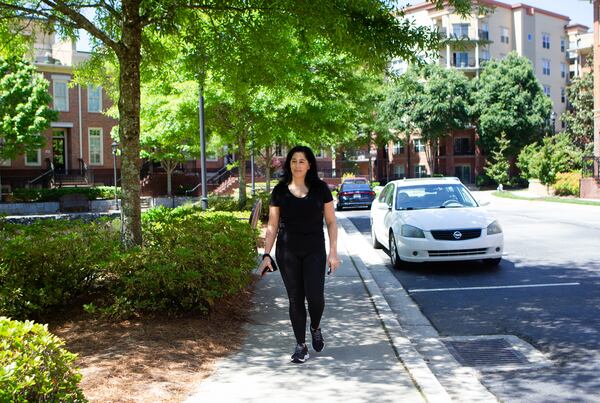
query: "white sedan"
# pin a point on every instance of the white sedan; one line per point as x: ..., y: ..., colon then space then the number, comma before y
x: 431, y: 220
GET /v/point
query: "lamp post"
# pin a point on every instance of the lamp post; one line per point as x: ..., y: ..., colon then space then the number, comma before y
x: 114, y: 146
x: 553, y: 122
x: 252, y: 160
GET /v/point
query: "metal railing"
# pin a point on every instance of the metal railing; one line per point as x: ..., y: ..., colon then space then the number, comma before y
x: 47, y: 175
x: 590, y: 168
x: 86, y: 173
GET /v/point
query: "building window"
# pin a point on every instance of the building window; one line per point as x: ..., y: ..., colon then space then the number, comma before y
x: 94, y: 99
x: 420, y: 171
x: 398, y: 148
x: 319, y: 154
x: 546, y: 41
x: 484, y: 33
x: 463, y: 172
x: 529, y: 37
x: 399, y: 171
x: 419, y: 145
x: 4, y: 163
x: 563, y: 43
x: 461, y: 59
x: 61, y: 95
x: 33, y: 158
x: 460, y: 30
x: 563, y: 95
x: 547, y: 90
x: 563, y: 70
x: 95, y: 146
x: 546, y: 67
x: 485, y: 56
x: 503, y: 34
x: 462, y: 146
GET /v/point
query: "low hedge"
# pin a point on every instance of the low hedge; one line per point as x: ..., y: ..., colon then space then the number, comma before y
x: 34, y: 366
x: 230, y: 203
x: 44, y: 195
x: 47, y: 263
x: 190, y: 259
x: 567, y: 184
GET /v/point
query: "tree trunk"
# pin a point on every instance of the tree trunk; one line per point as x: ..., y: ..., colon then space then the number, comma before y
x: 169, y: 167
x: 129, y: 56
x: 242, y: 140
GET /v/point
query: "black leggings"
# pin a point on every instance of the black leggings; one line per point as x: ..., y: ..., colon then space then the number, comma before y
x: 304, y: 278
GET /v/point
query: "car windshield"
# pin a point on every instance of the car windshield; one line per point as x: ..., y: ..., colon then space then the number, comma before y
x: 430, y: 196
x: 355, y: 187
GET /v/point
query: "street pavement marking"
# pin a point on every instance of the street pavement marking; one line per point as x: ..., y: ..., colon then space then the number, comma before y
x: 491, y: 287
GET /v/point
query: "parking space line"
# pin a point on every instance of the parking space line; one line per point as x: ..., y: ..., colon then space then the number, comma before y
x: 492, y: 287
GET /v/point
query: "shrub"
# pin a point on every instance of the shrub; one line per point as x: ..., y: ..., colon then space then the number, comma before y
x: 482, y: 180
x: 47, y: 263
x: 189, y: 260
x: 44, y: 195
x: 567, y: 184
x: 34, y: 366
x: 517, y: 182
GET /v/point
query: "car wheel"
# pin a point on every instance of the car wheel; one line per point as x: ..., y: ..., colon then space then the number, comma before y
x: 374, y: 242
x: 396, y: 261
x: 492, y: 262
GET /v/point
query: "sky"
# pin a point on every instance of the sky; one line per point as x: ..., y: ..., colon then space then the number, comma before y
x: 580, y: 11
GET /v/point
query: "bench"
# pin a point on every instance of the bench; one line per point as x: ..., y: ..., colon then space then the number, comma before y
x: 74, y: 203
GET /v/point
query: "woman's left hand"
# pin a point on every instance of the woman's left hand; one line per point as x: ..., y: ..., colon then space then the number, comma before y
x: 333, y: 261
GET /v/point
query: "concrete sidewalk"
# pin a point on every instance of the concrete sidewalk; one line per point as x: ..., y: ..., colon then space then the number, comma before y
x: 365, y: 359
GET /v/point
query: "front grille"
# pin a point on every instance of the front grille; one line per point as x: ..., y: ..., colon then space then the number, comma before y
x: 457, y: 252
x: 449, y: 235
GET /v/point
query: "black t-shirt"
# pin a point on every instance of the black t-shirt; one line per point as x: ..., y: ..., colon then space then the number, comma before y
x: 301, y: 215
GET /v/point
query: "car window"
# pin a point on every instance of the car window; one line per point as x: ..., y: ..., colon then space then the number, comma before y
x: 389, y: 197
x: 430, y: 196
x: 384, y: 193
x: 353, y: 187
x: 355, y: 180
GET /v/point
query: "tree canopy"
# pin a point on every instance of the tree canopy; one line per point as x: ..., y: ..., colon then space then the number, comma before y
x: 579, y: 118
x: 24, y: 107
x: 508, y: 98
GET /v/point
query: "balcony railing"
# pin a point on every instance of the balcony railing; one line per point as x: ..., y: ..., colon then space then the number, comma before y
x: 591, y: 167
x: 483, y: 35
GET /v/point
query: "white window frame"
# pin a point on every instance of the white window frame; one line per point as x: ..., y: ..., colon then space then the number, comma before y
x: 546, y: 67
x: 34, y: 164
x: 547, y: 90
x: 563, y: 70
x: 563, y: 44
x: 399, y: 169
x: 419, y: 145
x: 504, y: 38
x: 90, y: 89
x: 462, y: 167
x: 420, y: 173
x: 545, y: 40
x: 66, y: 83
x: 398, y: 148
x: 90, y: 129
x: 485, y: 55
x: 563, y: 95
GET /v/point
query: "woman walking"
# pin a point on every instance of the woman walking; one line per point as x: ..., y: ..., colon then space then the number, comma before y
x: 299, y: 202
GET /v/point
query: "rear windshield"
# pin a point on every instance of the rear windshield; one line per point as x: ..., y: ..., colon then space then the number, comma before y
x: 355, y: 180
x: 354, y: 187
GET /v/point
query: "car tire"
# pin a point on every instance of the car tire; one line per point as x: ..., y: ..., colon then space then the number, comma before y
x: 396, y: 261
x: 492, y: 262
x: 374, y: 242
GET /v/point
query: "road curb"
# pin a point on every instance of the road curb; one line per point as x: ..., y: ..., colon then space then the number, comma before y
x: 438, y: 375
x: 421, y: 375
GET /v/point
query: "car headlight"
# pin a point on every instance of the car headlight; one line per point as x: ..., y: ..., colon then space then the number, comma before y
x: 408, y: 231
x: 494, y: 228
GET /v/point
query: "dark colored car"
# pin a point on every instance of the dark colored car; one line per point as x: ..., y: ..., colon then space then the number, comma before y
x: 355, y: 195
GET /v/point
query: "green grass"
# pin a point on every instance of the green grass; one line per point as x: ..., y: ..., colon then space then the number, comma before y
x: 509, y: 195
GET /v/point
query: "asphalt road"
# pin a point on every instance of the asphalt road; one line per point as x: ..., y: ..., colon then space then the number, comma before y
x: 546, y: 291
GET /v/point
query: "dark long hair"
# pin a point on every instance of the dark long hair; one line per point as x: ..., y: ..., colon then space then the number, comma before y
x: 312, y: 178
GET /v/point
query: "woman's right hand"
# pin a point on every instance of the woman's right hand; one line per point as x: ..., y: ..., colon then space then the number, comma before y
x: 265, y: 266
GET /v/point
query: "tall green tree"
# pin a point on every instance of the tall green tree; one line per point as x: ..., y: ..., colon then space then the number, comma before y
x: 24, y: 107
x: 123, y: 31
x: 508, y: 98
x: 429, y: 100
x: 579, y: 118
x: 497, y: 166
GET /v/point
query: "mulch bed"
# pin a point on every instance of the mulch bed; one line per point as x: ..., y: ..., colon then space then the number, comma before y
x: 151, y: 359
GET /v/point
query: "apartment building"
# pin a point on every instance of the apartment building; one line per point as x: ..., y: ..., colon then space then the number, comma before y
x: 580, y: 49
x: 542, y: 36
x: 78, y: 144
